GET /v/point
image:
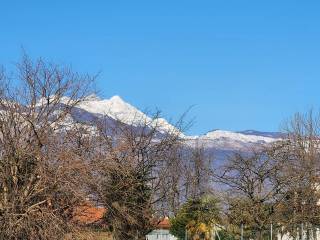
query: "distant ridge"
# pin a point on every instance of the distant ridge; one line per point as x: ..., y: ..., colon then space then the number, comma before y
x: 117, y: 109
x: 263, y: 134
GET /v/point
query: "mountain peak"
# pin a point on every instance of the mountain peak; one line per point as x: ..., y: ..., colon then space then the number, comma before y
x: 116, y: 98
x: 119, y: 105
x: 118, y: 109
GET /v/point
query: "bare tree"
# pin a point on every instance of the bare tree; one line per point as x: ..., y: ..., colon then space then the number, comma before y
x: 132, y: 166
x: 40, y: 167
x: 187, y: 172
x: 256, y: 185
x: 300, y: 208
x: 170, y: 188
x: 198, y: 172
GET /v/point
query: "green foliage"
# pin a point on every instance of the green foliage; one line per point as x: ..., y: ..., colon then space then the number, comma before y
x: 128, y: 196
x: 224, y: 235
x: 255, y: 217
x: 197, y: 212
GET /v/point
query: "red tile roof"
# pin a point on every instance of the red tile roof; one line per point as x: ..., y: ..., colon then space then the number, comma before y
x: 164, y: 223
x: 88, y: 214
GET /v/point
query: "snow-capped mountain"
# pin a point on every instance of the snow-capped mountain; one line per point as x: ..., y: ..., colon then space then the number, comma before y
x: 246, y: 138
x: 116, y: 108
x: 263, y: 134
x: 232, y: 141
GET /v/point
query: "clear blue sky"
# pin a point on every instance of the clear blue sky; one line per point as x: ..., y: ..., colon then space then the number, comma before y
x: 242, y: 64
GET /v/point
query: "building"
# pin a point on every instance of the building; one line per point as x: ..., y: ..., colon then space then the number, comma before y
x: 161, y: 232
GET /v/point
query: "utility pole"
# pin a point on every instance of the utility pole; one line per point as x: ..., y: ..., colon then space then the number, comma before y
x: 241, y: 231
x: 216, y: 233
x: 186, y: 234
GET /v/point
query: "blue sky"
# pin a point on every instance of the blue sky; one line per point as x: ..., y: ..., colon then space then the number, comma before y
x: 241, y: 64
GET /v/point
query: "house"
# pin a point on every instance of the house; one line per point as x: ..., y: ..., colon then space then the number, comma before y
x: 161, y: 231
x: 88, y: 213
x: 160, y: 234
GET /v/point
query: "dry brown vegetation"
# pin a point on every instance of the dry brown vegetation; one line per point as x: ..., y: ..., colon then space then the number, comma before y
x: 278, y: 184
x: 132, y: 167
x: 49, y: 170
x: 40, y: 167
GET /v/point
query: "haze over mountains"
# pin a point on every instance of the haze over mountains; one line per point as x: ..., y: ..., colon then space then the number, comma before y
x: 116, y: 108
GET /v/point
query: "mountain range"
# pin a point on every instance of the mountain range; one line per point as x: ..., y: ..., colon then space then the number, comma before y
x: 116, y: 109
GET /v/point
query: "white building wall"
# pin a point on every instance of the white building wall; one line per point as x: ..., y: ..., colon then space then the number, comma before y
x: 287, y: 236
x: 160, y: 235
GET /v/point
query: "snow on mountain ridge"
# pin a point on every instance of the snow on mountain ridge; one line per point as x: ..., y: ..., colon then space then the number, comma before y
x: 235, y: 136
x: 118, y: 109
x: 263, y: 134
